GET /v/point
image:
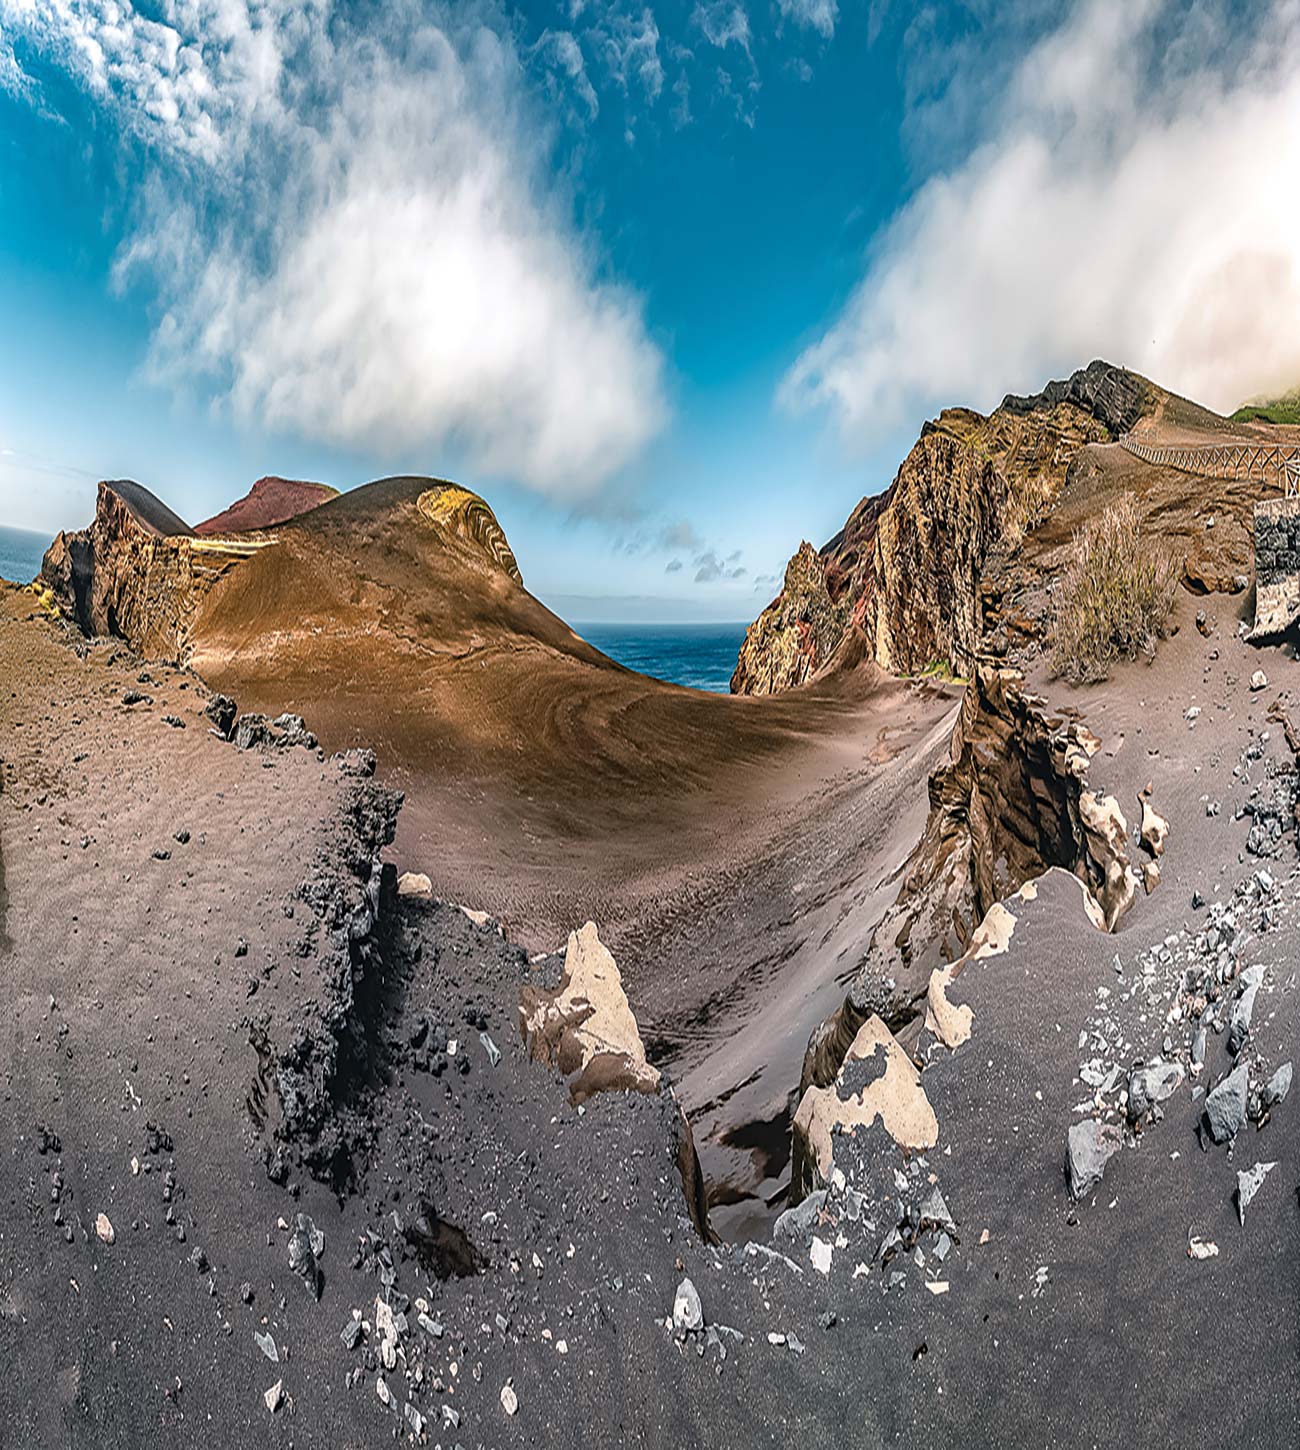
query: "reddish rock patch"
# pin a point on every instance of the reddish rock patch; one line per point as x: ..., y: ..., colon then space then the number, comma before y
x: 270, y: 501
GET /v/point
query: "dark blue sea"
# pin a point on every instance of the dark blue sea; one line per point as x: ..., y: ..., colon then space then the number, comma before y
x: 21, y: 553
x: 699, y: 655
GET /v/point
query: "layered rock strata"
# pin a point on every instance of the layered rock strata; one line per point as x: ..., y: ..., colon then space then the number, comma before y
x: 904, y: 573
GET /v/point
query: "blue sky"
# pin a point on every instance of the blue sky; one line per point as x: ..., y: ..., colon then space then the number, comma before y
x: 672, y: 284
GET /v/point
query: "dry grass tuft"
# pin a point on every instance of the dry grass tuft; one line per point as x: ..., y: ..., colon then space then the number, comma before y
x: 1115, y: 597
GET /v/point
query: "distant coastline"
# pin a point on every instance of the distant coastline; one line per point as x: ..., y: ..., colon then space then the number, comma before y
x: 21, y: 552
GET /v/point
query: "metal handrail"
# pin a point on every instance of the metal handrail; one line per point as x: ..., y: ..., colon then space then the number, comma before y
x: 1268, y: 462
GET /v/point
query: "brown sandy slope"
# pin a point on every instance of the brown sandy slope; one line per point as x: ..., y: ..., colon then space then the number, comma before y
x: 729, y: 848
x: 270, y: 501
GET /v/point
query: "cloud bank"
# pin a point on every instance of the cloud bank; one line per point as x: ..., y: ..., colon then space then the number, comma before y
x: 1129, y: 200
x: 355, y: 237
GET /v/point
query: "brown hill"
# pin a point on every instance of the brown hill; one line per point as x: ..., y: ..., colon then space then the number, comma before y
x: 270, y: 501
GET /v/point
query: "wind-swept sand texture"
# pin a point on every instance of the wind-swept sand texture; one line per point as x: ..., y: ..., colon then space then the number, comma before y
x: 733, y: 851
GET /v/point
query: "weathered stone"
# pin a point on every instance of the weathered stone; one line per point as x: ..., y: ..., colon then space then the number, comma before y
x: 1114, y: 882
x: 1277, y: 1087
x: 306, y: 1243
x: 895, y: 1098
x: 586, y: 1028
x: 1249, y: 1182
x: 1090, y: 1145
x: 1225, y: 1105
x: 688, y: 1312
x: 796, y: 1223
x: 1243, y: 1009
x: 415, y: 884
x: 1154, y: 829
x: 1150, y: 1085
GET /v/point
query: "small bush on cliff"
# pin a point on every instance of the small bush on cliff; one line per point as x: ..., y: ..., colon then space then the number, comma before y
x: 1115, y: 597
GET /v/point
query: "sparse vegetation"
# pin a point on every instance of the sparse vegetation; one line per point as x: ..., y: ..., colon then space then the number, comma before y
x: 1285, y: 409
x: 1114, y: 600
x: 45, y: 599
x: 939, y: 669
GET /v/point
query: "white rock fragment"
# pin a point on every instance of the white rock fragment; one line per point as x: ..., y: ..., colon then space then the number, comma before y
x: 274, y: 1397
x: 688, y: 1312
x: 1249, y: 1182
x: 509, y: 1400
x: 820, y: 1253
x: 105, y: 1229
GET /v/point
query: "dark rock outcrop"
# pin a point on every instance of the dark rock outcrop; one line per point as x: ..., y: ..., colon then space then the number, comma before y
x: 1117, y: 398
x: 321, y: 1075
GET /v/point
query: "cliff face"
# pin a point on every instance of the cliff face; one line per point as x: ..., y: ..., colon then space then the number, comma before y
x: 138, y: 571
x: 905, y: 571
x: 796, y: 632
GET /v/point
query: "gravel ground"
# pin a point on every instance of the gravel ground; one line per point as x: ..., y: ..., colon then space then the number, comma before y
x: 526, y: 1253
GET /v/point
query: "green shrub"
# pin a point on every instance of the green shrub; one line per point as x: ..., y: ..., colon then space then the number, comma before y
x: 1115, y: 596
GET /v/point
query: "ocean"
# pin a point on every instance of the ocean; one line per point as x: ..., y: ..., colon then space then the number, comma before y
x: 21, y: 553
x: 699, y: 655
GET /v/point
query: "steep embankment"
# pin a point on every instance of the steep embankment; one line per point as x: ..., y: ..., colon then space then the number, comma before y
x: 901, y: 581
x: 270, y: 501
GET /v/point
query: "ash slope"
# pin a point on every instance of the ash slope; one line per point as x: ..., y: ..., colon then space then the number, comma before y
x: 169, y: 908
x: 127, y: 1344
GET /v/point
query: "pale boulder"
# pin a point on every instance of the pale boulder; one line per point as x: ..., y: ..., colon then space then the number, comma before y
x: 586, y: 1028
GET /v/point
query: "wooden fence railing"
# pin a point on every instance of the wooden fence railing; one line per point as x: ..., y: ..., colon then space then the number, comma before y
x: 1267, y: 462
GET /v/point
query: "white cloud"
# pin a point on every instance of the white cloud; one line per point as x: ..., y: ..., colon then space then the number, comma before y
x: 1127, y: 201
x: 562, y: 50
x: 818, y: 15
x: 630, y: 45
x: 356, y: 235
x: 724, y: 23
